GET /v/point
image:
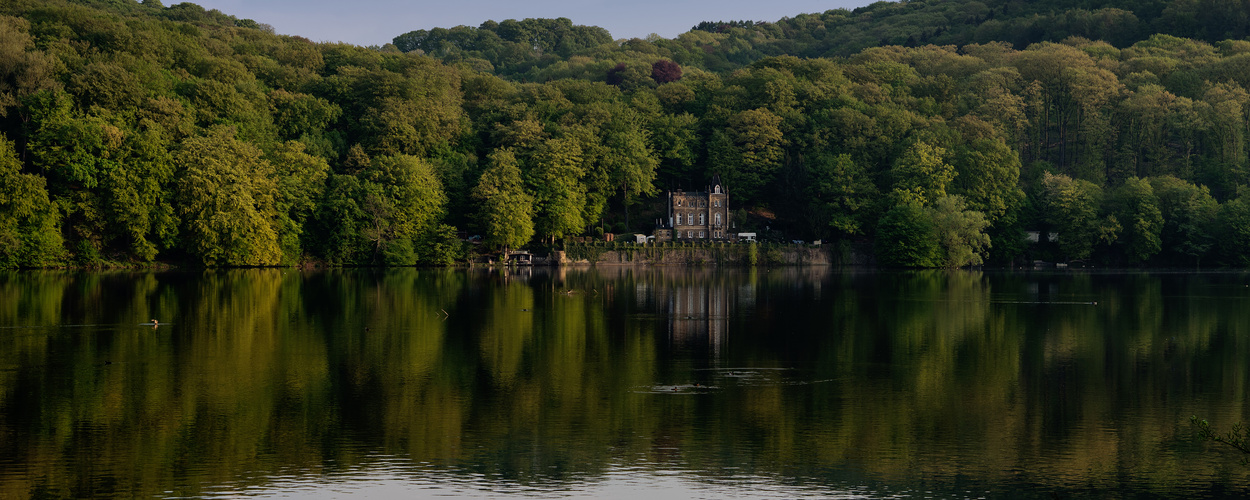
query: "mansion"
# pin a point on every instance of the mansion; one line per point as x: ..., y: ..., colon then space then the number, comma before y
x: 699, y: 216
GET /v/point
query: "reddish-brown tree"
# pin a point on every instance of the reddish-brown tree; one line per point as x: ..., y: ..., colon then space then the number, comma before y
x: 664, y: 71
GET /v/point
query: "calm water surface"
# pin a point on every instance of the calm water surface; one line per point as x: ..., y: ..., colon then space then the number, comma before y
x: 616, y: 383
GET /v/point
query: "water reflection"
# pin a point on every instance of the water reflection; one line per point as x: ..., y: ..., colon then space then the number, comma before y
x: 600, y: 383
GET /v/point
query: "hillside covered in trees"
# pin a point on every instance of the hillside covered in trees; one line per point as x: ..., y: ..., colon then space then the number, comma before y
x: 941, y: 131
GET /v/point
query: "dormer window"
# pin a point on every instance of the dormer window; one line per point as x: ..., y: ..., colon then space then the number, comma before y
x: 679, y: 202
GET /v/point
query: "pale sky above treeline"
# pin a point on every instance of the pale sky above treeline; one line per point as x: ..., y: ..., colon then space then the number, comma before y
x: 376, y: 22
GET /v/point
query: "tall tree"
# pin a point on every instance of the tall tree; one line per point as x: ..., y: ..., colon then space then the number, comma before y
x: 404, y: 203
x: 506, y: 210
x: 227, y: 200
x: 29, y: 231
x: 1137, y: 210
x: 960, y: 232
x: 906, y: 237
x: 987, y: 174
x: 1071, y: 207
x: 560, y: 195
x: 301, y: 179
x: 1189, y: 214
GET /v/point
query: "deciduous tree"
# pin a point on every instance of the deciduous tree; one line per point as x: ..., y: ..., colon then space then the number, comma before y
x: 506, y: 211
x: 227, y: 200
x: 960, y: 232
x: 29, y: 231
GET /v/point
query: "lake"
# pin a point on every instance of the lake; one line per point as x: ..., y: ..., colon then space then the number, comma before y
x: 620, y: 382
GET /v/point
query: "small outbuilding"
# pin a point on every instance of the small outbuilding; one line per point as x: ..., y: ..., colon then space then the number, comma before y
x: 521, y: 258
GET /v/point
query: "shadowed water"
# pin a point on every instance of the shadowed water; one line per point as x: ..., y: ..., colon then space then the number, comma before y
x: 616, y: 383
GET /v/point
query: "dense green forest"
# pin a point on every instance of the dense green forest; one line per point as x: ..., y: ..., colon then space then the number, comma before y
x: 940, y: 130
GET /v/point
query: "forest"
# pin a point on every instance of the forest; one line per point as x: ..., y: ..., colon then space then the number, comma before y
x: 937, y: 133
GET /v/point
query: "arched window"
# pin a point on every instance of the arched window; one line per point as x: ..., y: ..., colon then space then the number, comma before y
x: 717, y: 219
x: 679, y: 202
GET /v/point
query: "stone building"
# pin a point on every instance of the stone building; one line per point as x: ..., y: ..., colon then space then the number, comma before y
x: 697, y: 215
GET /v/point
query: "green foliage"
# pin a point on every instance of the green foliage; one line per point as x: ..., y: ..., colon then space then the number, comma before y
x: 1136, y: 208
x: 402, y: 205
x: 228, y: 201
x: 749, y: 152
x: 506, y: 210
x: 339, y: 223
x: 441, y: 247
x: 1233, y: 231
x: 1235, y: 438
x: 29, y: 232
x: 509, y: 45
x: 907, y: 237
x: 590, y: 252
x: 840, y: 193
x: 560, y: 196
x: 367, y: 155
x: 1189, y: 214
x: 1071, y: 207
x: 138, y: 199
x: 921, y: 175
x: 987, y: 175
x: 961, y: 232
x: 301, y: 179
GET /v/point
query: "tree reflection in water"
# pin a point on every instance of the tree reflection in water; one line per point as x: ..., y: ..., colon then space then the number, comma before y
x: 778, y: 382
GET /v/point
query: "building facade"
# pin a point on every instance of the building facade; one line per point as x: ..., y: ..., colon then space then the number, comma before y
x: 697, y: 215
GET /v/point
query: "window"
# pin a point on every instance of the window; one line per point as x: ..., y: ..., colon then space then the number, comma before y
x: 679, y: 202
x: 678, y: 219
x: 688, y: 234
x: 700, y: 234
x: 701, y: 223
x: 717, y: 219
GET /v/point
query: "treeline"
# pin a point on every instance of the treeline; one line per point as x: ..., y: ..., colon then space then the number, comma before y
x: 723, y: 46
x: 137, y: 132
x: 507, y: 47
x: 911, y: 23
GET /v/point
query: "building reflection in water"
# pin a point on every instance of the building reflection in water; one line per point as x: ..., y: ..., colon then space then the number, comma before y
x: 695, y: 306
x: 698, y: 316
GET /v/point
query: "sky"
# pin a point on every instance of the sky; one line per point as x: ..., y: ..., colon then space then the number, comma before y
x: 376, y: 22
